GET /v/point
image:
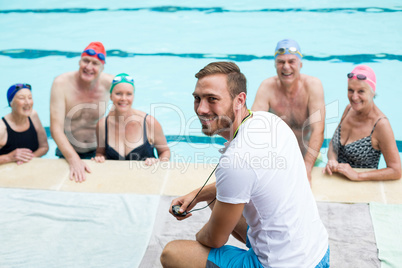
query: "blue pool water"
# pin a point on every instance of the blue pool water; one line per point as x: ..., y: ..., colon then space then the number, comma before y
x: 162, y: 44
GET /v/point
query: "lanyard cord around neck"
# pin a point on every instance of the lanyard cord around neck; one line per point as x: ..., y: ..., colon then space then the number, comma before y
x: 250, y: 113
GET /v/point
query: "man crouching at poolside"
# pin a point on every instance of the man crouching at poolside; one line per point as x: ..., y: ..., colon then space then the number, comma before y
x: 78, y: 100
x: 270, y: 208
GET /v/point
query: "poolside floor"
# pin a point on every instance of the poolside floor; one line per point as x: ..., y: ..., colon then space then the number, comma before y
x: 343, y: 206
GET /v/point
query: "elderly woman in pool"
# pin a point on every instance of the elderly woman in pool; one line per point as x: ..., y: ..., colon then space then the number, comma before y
x: 127, y: 133
x: 363, y: 134
x: 22, y: 136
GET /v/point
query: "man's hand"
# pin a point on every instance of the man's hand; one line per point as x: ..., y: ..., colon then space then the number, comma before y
x: 183, y: 202
x: 77, y: 170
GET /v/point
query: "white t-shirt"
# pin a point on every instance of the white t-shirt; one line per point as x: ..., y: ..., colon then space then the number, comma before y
x: 264, y: 168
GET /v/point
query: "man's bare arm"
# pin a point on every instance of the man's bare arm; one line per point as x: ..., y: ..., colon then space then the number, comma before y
x: 221, y: 224
x: 57, y: 118
x: 160, y: 143
x: 316, y: 108
x: 42, y: 137
x: 261, y: 101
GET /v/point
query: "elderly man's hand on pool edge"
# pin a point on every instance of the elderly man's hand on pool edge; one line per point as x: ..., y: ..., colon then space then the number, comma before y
x: 77, y: 170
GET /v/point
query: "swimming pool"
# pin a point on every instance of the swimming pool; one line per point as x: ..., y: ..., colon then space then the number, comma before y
x: 163, y: 44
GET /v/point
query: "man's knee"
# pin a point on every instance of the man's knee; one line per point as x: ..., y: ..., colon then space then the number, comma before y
x: 168, y: 254
x: 184, y: 253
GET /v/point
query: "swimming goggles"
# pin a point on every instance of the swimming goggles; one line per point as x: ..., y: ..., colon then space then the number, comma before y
x: 359, y: 76
x: 21, y: 86
x: 291, y: 50
x: 92, y: 52
x: 119, y: 79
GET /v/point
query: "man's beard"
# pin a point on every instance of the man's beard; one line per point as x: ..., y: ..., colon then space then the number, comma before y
x: 223, y: 123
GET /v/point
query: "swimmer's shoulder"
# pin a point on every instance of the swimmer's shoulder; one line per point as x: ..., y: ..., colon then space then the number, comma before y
x: 140, y: 115
x: 270, y: 81
x: 65, y: 76
x: 107, y: 77
x: 34, y: 114
x: 63, y: 79
x: 311, y: 83
x: 268, y: 85
x: 2, y: 124
x: 106, y: 80
x: 310, y: 80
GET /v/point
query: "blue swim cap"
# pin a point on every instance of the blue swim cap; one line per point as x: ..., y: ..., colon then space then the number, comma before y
x: 14, y: 89
x: 288, y: 46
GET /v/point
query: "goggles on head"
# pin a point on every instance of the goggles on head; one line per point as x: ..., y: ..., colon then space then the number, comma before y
x: 21, y: 86
x: 291, y: 50
x: 359, y: 76
x: 119, y: 79
x: 92, y: 52
x: 122, y: 78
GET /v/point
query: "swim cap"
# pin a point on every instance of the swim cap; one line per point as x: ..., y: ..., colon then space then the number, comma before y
x: 288, y: 46
x: 14, y: 89
x: 96, y: 50
x: 367, y: 75
x: 122, y: 78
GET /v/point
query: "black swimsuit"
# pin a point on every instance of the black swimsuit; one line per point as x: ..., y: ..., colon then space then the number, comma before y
x: 142, y: 152
x: 358, y: 154
x: 27, y: 139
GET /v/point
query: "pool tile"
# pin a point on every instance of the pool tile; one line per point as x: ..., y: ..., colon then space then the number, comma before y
x: 37, y: 174
x: 174, y: 179
x: 337, y: 188
x: 120, y: 177
x: 393, y: 191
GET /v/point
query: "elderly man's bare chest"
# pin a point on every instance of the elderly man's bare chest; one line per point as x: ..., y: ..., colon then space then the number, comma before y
x: 86, y: 106
x: 294, y: 112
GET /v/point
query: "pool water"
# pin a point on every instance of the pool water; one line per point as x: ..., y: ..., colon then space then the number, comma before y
x: 162, y: 44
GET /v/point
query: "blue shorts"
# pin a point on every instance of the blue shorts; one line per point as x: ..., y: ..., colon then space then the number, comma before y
x: 230, y: 256
x: 87, y: 155
x: 234, y: 257
x: 324, y: 263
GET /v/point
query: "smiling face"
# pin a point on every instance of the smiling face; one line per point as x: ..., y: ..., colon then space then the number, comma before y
x: 360, y: 94
x: 22, y: 102
x: 288, y: 67
x: 122, y: 97
x: 90, y: 68
x: 214, y: 105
